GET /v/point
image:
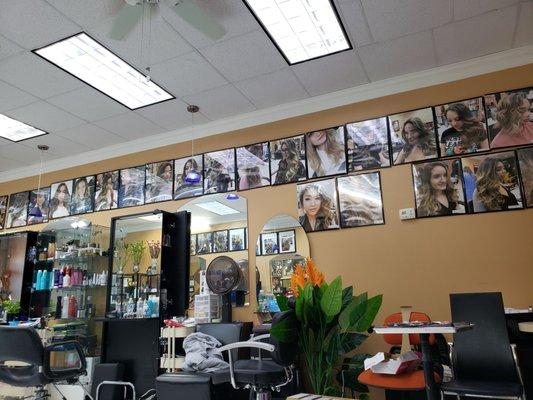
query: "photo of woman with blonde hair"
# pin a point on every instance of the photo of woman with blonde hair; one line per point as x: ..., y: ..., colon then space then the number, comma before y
x: 360, y: 200
x: 60, y: 201
x: 317, y: 206
x: 513, y: 125
x: 525, y: 160
x: 253, y: 168
x: 438, y: 188
x: 287, y: 163
x: 325, y: 152
x: 106, y: 196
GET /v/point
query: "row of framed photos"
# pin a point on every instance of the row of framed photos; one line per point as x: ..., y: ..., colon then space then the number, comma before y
x: 276, y: 243
x: 219, y: 241
x: 462, y: 127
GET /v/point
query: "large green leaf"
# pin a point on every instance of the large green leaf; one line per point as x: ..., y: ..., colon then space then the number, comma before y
x: 332, y: 299
x: 299, y: 308
x: 347, y: 295
x: 372, y: 307
x: 308, y: 294
x: 351, y: 341
x: 283, y: 302
x: 285, y: 330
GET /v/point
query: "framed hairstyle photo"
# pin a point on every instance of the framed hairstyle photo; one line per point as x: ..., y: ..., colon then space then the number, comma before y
x: 193, y: 245
x: 461, y: 127
x: 220, y: 241
x: 325, y: 152
x: 525, y: 161
x: 82, y: 195
x: 39, y: 199
x: 131, y: 188
x: 439, y: 189
x: 253, y: 166
x: 413, y: 136
x: 204, y: 243
x: 159, y: 178
x: 188, y: 177
x: 106, y: 193
x: 269, y: 243
x: 237, y: 239
x: 492, y: 182
x: 317, y: 205
x: 3, y: 210
x: 219, y: 171
x: 258, y: 246
x: 367, y: 144
x: 60, y: 195
x: 17, y: 212
x: 287, y: 241
x: 360, y: 200
x: 287, y: 160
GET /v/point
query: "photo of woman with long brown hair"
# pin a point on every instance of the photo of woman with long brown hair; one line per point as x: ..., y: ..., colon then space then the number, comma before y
x: 60, y: 201
x: 317, y: 206
x: 360, y: 200
x: 188, y: 177
x: 513, y: 125
x: 287, y: 163
x: 106, y: 195
x: 325, y: 152
x: 525, y: 160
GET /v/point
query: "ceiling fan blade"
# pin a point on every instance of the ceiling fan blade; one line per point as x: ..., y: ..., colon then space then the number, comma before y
x: 125, y: 20
x: 199, y: 18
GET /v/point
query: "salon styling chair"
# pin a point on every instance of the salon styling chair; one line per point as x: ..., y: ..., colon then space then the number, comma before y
x: 25, y: 362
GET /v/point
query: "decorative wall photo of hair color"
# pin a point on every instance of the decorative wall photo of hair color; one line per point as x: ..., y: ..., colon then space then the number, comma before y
x: 204, y: 243
x: 3, y: 210
x: 17, y: 212
x: 269, y: 243
x: 317, y: 205
x: 287, y: 241
x: 258, y: 246
x: 219, y: 171
x: 220, y: 241
x: 159, y: 176
x: 82, y: 195
x: 413, y: 136
x: 525, y: 160
x: 193, y: 245
x: 131, y: 188
x: 253, y: 166
x: 106, y: 193
x: 510, y: 118
x: 438, y: 188
x: 188, y: 177
x: 494, y: 182
x: 60, y: 195
x: 360, y: 200
x: 461, y: 127
x: 325, y: 151
x: 39, y: 203
x: 367, y: 143
x: 287, y: 160
x: 237, y: 239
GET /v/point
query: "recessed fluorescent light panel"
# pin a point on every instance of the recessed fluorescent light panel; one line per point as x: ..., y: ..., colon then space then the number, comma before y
x: 86, y: 59
x: 16, y: 131
x: 217, y: 208
x: 301, y: 29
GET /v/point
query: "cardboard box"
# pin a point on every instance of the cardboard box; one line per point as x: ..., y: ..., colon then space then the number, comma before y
x: 383, y: 363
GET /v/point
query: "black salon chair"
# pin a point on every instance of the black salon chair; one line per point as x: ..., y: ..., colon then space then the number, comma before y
x: 264, y: 376
x: 25, y: 362
x: 483, y: 362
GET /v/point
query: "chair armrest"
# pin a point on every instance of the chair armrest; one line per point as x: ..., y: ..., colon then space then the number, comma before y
x: 70, y: 345
x: 260, y: 337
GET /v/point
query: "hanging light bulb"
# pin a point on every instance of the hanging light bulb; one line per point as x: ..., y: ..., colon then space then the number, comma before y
x: 193, y: 177
x: 36, y: 211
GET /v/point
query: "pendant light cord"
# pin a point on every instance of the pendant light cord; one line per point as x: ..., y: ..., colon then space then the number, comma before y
x: 40, y: 173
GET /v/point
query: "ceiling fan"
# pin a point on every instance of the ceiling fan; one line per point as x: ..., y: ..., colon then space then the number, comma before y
x: 132, y: 11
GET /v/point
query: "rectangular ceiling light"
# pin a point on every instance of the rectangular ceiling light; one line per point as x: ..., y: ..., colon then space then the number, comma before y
x: 301, y: 29
x: 86, y: 59
x: 217, y: 208
x: 16, y: 131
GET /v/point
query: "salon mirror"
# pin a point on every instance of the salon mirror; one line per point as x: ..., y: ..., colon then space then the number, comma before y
x: 281, y: 245
x: 219, y: 226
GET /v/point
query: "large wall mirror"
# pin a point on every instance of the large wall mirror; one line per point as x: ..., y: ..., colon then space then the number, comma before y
x: 219, y: 226
x: 281, y: 245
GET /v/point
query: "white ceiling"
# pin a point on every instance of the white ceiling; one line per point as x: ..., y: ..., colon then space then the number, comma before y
x: 238, y: 74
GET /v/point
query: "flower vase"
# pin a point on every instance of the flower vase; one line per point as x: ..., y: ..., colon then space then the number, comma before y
x: 152, y: 269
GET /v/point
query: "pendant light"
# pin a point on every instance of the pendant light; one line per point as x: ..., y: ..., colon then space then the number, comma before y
x: 232, y: 196
x: 193, y: 177
x: 36, y: 211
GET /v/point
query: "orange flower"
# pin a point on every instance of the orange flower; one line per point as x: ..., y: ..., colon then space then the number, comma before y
x: 314, y: 276
x: 297, y: 280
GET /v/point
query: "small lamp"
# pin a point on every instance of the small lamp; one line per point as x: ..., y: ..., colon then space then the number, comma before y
x: 193, y: 177
x: 35, y: 210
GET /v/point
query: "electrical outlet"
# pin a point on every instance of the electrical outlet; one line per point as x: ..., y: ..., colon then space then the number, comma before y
x: 407, y: 213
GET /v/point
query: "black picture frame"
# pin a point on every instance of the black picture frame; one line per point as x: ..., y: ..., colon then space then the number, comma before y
x: 44, y: 193
x: 159, y: 182
x: 17, y: 211
x: 524, y: 156
x: 204, y: 243
x: 326, y: 189
x: 55, y: 203
x: 134, y: 195
x: 281, y: 236
x: 194, y: 245
x: 3, y: 210
x: 182, y: 189
x: 221, y: 241
x: 215, y: 181
x: 84, y: 203
x: 239, y: 233
x: 248, y: 157
x: 269, y: 243
x: 105, y: 197
x: 258, y: 251
x: 276, y: 155
x: 339, y: 132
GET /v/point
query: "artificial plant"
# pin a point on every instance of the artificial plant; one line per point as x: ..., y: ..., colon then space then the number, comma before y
x: 136, y: 250
x: 329, y: 321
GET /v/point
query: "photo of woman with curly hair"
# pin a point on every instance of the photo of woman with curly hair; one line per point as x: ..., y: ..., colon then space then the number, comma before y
x: 82, y: 196
x: 106, y: 195
x: 525, y: 160
x: 325, y: 152
x: 60, y: 201
x: 438, y: 188
x: 253, y: 166
x: 3, y: 210
x: 219, y: 171
x: 462, y: 130
x: 367, y: 143
x: 317, y: 206
x: 360, y: 200
x: 416, y: 139
x: 287, y: 163
x: 512, y: 124
x: 497, y: 182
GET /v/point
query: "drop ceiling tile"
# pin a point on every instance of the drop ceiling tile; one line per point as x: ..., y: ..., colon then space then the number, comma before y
x: 390, y: 19
x: 47, y: 24
x: 231, y: 14
x: 399, y: 56
x: 245, y: 56
x: 45, y: 116
x: 8, y: 48
x: 6, y: 164
x: 129, y: 126
x: 524, y: 30
x: 59, y: 145
x: 331, y: 73
x: 26, y: 155
x: 463, y: 9
x: 11, y: 97
x: 272, y: 89
x: 84, y: 16
x: 474, y: 37
x: 354, y: 21
x: 88, y: 103
x: 36, y: 76
x: 171, y: 115
x: 186, y: 75
x: 221, y: 102
x: 91, y: 136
